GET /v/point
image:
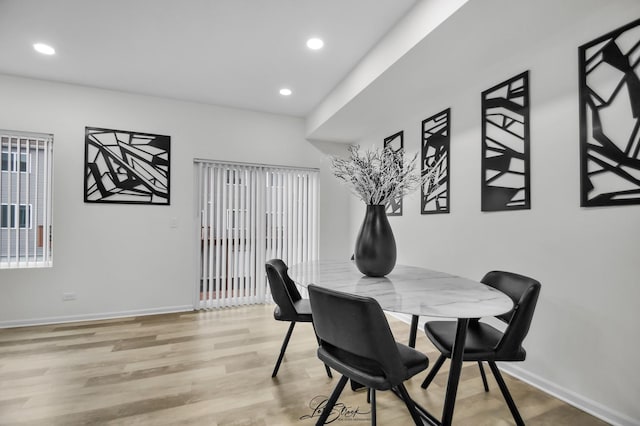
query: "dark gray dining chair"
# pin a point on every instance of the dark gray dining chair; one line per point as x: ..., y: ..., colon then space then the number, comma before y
x: 290, y: 306
x: 356, y: 341
x: 486, y: 343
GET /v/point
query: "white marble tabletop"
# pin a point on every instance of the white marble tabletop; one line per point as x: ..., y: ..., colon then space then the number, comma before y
x: 408, y: 289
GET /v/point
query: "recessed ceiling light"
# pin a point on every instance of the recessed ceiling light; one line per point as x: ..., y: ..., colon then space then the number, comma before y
x: 285, y: 92
x: 315, y: 43
x: 45, y: 49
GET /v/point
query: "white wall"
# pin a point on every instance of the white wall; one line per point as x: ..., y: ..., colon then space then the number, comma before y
x: 126, y: 259
x: 583, y: 344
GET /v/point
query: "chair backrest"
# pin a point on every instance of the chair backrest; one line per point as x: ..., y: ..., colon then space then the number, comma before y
x: 283, y: 289
x: 524, y: 292
x: 356, y: 325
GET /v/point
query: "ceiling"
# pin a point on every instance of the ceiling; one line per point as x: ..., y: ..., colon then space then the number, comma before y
x: 482, y: 43
x: 236, y: 53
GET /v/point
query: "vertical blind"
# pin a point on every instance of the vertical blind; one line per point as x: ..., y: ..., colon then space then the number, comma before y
x: 248, y: 215
x: 25, y: 199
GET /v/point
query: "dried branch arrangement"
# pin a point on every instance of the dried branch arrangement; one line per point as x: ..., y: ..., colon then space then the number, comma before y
x: 380, y: 175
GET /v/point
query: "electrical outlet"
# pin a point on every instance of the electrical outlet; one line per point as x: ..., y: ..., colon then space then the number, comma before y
x: 68, y: 296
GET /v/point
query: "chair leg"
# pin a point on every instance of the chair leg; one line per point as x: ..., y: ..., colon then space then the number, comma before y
x: 410, y: 405
x: 326, y: 367
x: 484, y: 377
x: 283, y: 348
x: 434, y: 371
x: 372, y: 392
x: 332, y: 401
x: 505, y: 393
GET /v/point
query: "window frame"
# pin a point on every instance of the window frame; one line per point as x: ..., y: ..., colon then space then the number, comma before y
x: 14, y: 211
x: 13, y: 164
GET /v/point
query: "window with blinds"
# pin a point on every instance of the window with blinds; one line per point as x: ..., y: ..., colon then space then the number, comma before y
x: 248, y: 215
x: 26, y: 168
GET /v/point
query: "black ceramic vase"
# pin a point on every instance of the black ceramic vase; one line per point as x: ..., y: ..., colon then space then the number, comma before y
x: 375, y: 252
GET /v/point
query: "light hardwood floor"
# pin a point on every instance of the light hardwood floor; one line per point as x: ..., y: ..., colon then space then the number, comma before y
x: 214, y: 368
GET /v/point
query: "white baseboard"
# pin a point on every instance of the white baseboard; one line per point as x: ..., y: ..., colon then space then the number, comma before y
x: 91, y: 317
x: 579, y: 401
x: 572, y: 398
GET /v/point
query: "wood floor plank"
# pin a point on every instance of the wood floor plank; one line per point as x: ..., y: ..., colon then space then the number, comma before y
x: 214, y: 368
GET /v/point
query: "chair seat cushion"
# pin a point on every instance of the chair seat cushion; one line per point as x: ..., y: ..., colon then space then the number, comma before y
x: 414, y: 360
x: 303, y: 312
x: 480, y: 345
x: 368, y: 372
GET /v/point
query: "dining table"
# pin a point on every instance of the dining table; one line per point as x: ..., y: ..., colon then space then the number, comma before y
x: 418, y: 292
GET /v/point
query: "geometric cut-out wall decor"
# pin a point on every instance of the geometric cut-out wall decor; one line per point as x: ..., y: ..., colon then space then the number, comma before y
x: 505, y: 145
x: 126, y: 167
x: 435, y: 150
x: 396, y: 143
x: 610, y: 118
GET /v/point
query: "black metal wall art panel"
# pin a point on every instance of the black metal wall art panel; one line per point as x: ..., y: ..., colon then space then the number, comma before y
x: 505, y: 145
x: 395, y: 142
x: 126, y: 167
x: 435, y: 148
x: 610, y: 118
